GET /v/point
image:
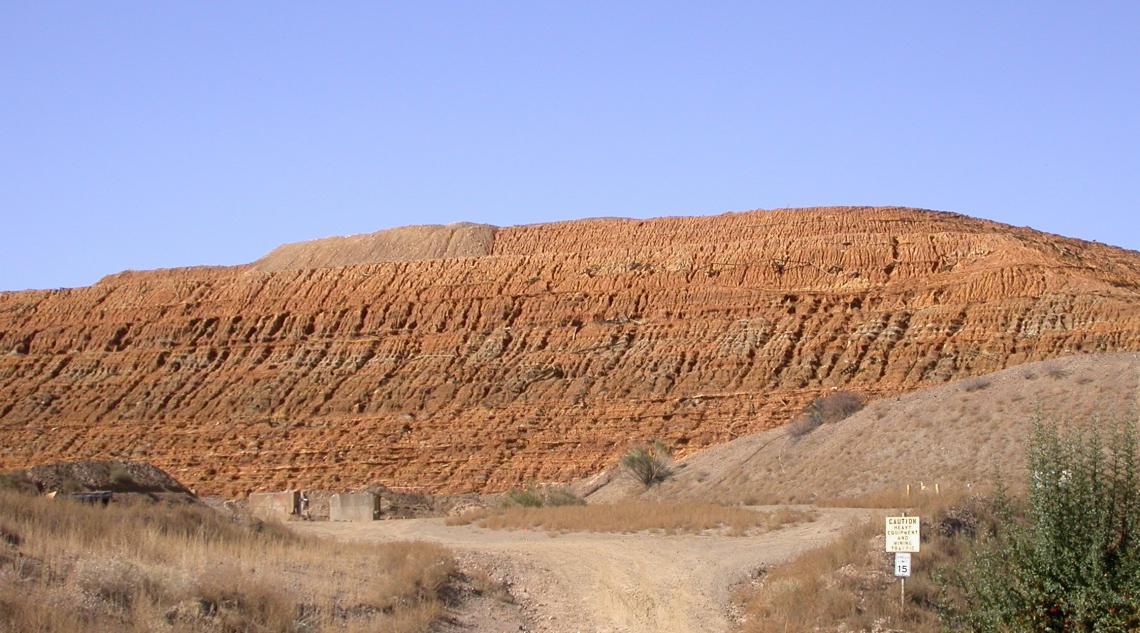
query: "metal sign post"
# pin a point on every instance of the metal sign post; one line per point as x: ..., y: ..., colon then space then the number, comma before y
x: 903, y: 539
x: 902, y: 572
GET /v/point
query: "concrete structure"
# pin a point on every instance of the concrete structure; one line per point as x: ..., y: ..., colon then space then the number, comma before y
x: 278, y: 505
x: 354, y: 506
x: 318, y: 504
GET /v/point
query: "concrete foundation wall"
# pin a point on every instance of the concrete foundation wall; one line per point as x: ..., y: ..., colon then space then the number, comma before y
x: 318, y: 506
x: 279, y: 505
x: 354, y: 506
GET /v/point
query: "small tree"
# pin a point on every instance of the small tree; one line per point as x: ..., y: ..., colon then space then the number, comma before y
x: 1071, y: 560
x: 649, y: 464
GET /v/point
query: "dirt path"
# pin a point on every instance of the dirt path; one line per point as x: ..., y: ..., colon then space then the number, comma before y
x: 612, y: 582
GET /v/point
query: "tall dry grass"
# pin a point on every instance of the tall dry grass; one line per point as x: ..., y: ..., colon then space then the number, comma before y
x: 670, y: 518
x: 850, y: 584
x: 66, y: 567
x: 913, y: 497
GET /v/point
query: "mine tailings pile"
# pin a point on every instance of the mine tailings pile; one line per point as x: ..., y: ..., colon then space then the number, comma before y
x: 475, y: 358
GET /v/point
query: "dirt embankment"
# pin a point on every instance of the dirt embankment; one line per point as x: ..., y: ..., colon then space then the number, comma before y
x: 955, y: 436
x: 544, y: 359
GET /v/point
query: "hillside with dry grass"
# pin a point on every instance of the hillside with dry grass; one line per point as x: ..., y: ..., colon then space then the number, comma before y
x: 956, y: 436
x: 466, y: 358
x: 67, y: 567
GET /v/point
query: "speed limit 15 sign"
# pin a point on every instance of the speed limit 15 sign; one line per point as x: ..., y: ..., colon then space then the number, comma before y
x: 902, y: 564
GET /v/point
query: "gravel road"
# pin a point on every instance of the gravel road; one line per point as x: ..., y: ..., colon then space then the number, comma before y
x: 611, y: 583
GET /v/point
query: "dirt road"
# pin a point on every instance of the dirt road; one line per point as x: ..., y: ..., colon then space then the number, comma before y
x: 627, y: 583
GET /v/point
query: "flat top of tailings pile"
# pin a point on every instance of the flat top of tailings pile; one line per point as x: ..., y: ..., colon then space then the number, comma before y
x: 406, y: 243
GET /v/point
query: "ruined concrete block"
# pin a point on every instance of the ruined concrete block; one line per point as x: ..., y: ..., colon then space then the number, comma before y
x: 354, y: 506
x: 279, y: 505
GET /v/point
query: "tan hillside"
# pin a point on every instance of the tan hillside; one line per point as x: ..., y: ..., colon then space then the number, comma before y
x: 544, y: 359
x: 953, y: 435
x: 406, y: 243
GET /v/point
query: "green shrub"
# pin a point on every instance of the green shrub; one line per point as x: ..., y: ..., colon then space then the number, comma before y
x: 530, y: 497
x: 534, y: 497
x: 563, y: 497
x: 1069, y: 559
x: 648, y: 464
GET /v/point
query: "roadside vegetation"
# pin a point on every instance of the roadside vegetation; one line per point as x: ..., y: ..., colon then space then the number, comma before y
x: 541, y: 496
x: 67, y: 567
x: 649, y: 464
x: 670, y: 518
x: 1062, y: 556
x: 1067, y: 558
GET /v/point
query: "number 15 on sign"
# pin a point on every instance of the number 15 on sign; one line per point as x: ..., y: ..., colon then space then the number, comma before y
x: 902, y: 564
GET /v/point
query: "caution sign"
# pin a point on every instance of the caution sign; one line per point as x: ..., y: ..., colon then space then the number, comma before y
x: 902, y: 534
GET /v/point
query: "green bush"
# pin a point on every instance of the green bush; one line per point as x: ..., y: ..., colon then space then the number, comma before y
x: 648, y: 464
x: 530, y: 497
x: 563, y: 497
x: 534, y: 497
x: 1069, y: 558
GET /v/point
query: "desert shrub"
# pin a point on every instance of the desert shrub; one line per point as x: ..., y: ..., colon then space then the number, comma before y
x: 535, y: 497
x: 1069, y: 558
x: 838, y: 406
x: 563, y: 497
x: 529, y: 497
x: 976, y: 384
x: 121, y: 478
x: 828, y: 409
x: 803, y: 424
x: 648, y: 464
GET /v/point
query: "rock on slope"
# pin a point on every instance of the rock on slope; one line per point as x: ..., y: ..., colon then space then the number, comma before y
x: 544, y: 358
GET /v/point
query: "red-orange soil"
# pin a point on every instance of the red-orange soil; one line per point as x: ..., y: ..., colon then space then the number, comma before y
x: 543, y: 351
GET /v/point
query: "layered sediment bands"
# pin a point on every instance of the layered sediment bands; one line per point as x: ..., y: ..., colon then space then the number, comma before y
x: 545, y: 358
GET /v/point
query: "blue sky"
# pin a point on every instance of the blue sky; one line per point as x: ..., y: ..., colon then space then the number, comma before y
x: 140, y: 135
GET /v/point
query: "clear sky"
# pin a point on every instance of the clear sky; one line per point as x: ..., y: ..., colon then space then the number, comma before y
x: 139, y: 135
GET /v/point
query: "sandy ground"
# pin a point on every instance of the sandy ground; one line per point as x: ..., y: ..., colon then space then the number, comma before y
x: 628, y: 583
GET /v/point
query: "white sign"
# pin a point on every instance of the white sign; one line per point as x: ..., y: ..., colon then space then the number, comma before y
x: 902, y: 534
x: 902, y: 564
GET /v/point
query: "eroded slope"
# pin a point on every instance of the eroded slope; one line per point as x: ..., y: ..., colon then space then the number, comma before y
x: 545, y: 358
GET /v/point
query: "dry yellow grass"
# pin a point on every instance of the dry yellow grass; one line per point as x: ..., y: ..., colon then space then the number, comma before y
x: 847, y: 584
x: 67, y: 567
x: 926, y: 501
x: 850, y: 584
x: 670, y: 518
